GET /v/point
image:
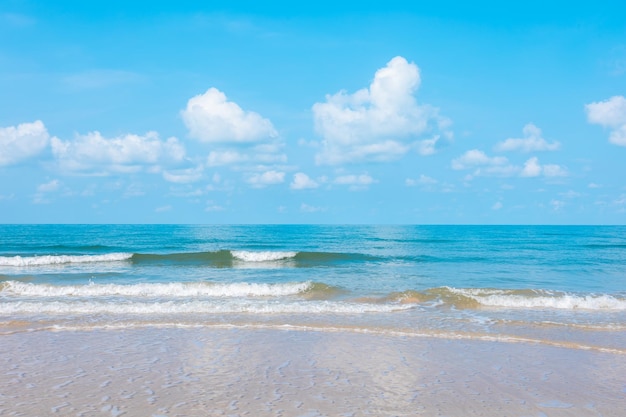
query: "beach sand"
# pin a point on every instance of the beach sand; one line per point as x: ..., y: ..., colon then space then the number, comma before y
x: 212, y: 371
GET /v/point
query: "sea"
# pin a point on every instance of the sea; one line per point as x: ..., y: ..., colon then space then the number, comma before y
x: 561, y: 286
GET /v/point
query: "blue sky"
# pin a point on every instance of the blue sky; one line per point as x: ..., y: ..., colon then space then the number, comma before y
x: 257, y: 112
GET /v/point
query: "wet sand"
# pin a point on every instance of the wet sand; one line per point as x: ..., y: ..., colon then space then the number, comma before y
x: 208, y: 371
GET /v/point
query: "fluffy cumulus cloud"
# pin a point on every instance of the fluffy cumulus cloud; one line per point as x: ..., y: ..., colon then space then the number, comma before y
x: 531, y: 168
x: 128, y: 153
x: 211, y: 117
x: 610, y: 114
x: 382, y: 122
x: 21, y: 142
x: 302, y: 181
x: 237, y: 136
x: 532, y: 141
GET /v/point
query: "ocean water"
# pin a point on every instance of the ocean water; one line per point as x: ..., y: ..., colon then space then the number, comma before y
x: 556, y: 285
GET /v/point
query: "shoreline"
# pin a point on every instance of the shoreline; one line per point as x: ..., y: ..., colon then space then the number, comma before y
x: 295, y: 372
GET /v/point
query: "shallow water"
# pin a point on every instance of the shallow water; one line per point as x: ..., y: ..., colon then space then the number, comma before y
x: 247, y: 372
x: 558, y: 285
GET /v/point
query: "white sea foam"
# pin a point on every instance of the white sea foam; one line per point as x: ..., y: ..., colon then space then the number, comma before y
x: 174, y: 289
x: 22, y: 261
x: 231, y: 306
x: 263, y: 256
x: 542, y: 299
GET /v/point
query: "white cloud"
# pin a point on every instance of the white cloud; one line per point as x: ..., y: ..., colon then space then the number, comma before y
x: 531, y: 168
x: 40, y: 197
x: 427, y: 146
x: 497, y: 206
x: 302, y: 181
x: 611, y: 114
x: 378, y: 123
x: 531, y: 142
x: 46, y: 190
x: 49, y: 186
x: 210, y: 117
x: 500, y: 166
x: 551, y: 170
x: 183, y: 176
x: 127, y: 153
x: 266, y: 178
x: 476, y: 158
x: 21, y: 142
x: 240, y: 136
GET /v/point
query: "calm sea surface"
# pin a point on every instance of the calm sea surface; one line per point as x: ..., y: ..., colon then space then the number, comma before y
x: 560, y: 285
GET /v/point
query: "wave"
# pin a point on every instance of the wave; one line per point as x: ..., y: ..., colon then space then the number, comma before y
x: 219, y: 258
x: 241, y: 258
x: 170, y: 290
x: 530, y: 299
x: 42, y: 260
x: 476, y: 298
x: 264, y: 256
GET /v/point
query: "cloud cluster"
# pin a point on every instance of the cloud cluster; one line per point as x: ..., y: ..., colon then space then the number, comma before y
x: 379, y: 123
x: 126, y: 153
x: 532, y: 141
x: 21, y: 142
x: 610, y: 114
x: 483, y: 165
x: 237, y: 136
x: 532, y: 168
x: 212, y: 118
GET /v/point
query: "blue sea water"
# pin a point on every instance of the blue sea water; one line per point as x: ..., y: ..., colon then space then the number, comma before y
x: 477, y: 281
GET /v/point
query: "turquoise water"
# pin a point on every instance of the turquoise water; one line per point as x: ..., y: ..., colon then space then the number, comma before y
x: 471, y: 279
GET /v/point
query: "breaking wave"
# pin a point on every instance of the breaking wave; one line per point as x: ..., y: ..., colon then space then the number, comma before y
x: 41, y: 260
x: 529, y: 299
x: 173, y: 289
x: 263, y: 256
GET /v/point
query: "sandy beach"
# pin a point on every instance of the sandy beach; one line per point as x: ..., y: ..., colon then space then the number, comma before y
x: 206, y: 371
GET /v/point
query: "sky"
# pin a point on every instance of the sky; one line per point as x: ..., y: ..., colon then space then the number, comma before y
x: 265, y: 112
